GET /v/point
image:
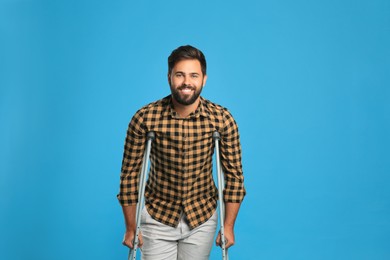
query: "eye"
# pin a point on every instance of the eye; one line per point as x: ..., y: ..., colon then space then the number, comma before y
x: 194, y: 76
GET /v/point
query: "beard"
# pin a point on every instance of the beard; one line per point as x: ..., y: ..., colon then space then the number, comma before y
x: 185, y: 99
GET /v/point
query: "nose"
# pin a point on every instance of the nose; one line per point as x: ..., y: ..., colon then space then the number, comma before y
x: 187, y: 80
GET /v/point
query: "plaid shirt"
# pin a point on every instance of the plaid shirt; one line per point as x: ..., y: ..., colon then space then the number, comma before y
x: 180, y: 179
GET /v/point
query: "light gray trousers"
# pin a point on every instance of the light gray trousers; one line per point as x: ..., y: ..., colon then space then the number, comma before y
x: 162, y: 242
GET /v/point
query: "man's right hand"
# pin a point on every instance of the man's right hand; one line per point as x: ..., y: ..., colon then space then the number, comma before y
x: 128, y: 239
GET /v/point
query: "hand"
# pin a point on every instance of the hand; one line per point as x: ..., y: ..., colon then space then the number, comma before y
x: 229, y: 238
x: 128, y: 239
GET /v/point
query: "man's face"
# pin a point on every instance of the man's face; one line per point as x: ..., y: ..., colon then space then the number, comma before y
x: 186, y: 81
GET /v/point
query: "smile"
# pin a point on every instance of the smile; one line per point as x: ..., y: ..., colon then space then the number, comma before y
x: 186, y: 90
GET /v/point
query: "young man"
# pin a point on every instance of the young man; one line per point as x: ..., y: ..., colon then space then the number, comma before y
x: 179, y: 219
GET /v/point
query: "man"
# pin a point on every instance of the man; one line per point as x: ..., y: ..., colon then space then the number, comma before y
x: 179, y: 219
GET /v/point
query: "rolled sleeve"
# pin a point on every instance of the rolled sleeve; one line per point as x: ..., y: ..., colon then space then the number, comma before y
x: 231, y: 161
x: 132, y: 161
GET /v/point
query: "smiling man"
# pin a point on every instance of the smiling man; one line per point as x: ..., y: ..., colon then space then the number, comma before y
x: 179, y: 219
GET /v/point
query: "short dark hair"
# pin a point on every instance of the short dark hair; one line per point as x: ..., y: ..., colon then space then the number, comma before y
x: 186, y: 52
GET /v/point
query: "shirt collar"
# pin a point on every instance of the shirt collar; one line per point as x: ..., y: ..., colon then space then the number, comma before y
x: 169, y: 111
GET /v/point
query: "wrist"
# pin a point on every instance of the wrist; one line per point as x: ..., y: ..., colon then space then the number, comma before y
x: 131, y: 227
x: 229, y: 226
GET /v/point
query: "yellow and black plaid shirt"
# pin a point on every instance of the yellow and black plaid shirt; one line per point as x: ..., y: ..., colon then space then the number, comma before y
x: 180, y: 178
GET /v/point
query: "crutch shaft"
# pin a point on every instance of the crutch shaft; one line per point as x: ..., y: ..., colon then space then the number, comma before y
x: 141, y: 193
x: 221, y: 186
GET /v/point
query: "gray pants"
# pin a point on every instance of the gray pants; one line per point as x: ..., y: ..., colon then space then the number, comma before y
x: 162, y: 242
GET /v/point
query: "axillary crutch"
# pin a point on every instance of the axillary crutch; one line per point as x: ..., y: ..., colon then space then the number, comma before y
x: 142, y: 178
x: 221, y: 185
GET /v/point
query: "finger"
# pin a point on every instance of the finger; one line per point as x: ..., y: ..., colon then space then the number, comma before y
x: 140, y: 239
x: 128, y: 244
x: 218, y: 240
x: 128, y: 241
x: 229, y: 243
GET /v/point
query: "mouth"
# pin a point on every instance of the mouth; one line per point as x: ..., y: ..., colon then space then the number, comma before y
x: 186, y: 90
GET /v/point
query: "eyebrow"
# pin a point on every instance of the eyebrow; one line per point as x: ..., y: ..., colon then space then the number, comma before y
x: 191, y: 73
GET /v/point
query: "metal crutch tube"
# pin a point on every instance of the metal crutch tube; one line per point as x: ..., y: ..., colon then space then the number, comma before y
x: 221, y: 186
x: 142, y: 178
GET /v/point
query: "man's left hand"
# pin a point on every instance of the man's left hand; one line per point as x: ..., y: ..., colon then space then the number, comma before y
x: 229, y: 237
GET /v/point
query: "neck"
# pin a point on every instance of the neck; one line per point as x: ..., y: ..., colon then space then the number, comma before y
x: 185, y: 110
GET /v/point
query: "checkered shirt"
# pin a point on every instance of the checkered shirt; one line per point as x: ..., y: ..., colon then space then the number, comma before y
x: 180, y: 178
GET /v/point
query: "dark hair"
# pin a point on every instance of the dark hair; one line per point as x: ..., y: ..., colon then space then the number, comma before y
x: 186, y: 52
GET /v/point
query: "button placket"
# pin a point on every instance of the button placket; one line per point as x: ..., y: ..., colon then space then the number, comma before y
x: 184, y: 155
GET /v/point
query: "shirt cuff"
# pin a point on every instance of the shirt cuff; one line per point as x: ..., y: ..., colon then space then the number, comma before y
x: 127, y: 199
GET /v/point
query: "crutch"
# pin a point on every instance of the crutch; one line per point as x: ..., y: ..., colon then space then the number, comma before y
x: 142, y: 178
x: 221, y: 186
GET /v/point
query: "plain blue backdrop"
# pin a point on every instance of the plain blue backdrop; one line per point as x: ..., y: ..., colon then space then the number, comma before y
x: 307, y: 81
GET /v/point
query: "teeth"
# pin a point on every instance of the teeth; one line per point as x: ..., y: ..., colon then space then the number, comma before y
x: 186, y: 89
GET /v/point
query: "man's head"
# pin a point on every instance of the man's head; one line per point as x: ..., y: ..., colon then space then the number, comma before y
x: 186, y: 74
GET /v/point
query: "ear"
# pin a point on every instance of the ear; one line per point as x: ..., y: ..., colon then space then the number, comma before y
x: 204, y: 80
x: 169, y: 79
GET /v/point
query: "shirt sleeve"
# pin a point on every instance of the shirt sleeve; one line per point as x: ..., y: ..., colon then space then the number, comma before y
x: 231, y: 160
x: 132, y: 160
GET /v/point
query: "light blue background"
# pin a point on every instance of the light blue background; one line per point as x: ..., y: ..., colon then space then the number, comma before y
x: 307, y: 81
